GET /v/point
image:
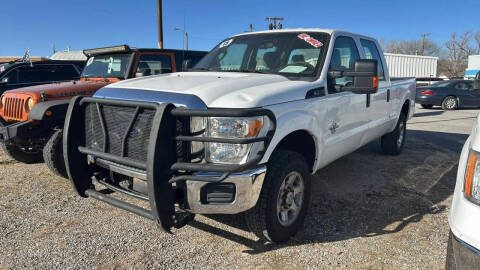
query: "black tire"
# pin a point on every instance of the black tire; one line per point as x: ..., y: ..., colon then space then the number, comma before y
x: 264, y: 218
x: 22, y: 155
x: 450, y: 262
x: 53, y: 154
x: 392, y: 143
x: 450, y: 103
x: 426, y: 106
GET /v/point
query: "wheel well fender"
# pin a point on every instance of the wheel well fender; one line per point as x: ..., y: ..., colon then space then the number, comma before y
x: 302, y: 142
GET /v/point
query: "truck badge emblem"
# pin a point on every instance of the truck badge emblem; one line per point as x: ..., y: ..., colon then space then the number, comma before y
x: 333, y: 127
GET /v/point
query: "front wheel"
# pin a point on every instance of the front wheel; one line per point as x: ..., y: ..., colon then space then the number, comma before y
x: 53, y: 154
x: 392, y: 143
x: 21, y: 154
x: 450, y: 103
x: 284, y: 199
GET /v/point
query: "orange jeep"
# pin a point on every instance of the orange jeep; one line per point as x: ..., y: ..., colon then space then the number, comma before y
x: 32, y: 118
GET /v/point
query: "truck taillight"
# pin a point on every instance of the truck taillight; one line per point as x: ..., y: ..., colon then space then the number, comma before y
x: 428, y: 92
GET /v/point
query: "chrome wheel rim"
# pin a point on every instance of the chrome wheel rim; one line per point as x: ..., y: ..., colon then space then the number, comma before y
x: 401, y: 134
x: 290, y: 198
x: 450, y: 103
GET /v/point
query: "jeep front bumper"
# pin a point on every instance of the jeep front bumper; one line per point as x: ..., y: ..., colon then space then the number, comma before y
x: 15, y: 131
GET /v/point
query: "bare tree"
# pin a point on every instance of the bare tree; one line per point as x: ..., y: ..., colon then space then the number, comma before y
x: 413, y: 47
x: 458, y: 50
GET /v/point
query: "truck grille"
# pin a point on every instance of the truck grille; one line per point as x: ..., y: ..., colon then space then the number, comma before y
x: 117, y: 131
x: 13, y: 108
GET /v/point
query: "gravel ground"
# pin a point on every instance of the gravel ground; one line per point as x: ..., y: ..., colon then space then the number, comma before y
x: 368, y: 211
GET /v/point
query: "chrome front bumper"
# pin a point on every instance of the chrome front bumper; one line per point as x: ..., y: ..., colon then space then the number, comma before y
x: 248, y: 186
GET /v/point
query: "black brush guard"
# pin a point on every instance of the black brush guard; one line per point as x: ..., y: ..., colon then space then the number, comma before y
x: 163, y: 167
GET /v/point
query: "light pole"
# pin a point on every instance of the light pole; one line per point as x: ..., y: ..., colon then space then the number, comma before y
x: 186, y: 36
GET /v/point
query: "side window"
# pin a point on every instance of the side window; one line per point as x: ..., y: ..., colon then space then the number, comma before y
x: 345, y: 53
x: 65, y: 72
x: 153, y: 64
x: 28, y: 74
x: 463, y: 85
x: 371, y: 52
x: 52, y: 73
x: 12, y: 76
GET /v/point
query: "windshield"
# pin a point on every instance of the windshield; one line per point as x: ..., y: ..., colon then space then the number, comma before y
x: 295, y: 54
x: 111, y: 65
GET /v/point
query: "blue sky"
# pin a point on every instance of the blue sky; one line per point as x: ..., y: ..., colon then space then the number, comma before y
x: 36, y: 24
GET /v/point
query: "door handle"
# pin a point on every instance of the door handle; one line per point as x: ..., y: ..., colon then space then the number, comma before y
x: 388, y: 95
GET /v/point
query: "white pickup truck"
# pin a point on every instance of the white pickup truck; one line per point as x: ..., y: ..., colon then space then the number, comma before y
x: 242, y: 132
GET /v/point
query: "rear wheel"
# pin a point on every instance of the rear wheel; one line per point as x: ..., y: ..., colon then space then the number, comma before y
x: 284, y: 198
x: 392, y: 143
x: 53, y: 154
x: 21, y: 154
x: 426, y: 106
x: 450, y: 103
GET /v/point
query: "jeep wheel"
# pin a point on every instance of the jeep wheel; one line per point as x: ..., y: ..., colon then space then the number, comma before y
x: 284, y: 198
x: 392, y: 143
x: 53, y: 154
x: 24, y: 155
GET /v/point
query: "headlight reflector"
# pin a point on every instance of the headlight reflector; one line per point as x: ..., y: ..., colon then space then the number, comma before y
x: 227, y: 127
x: 472, y: 178
x: 30, y: 104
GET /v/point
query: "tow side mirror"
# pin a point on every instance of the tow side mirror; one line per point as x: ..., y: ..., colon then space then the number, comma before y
x: 476, y: 83
x: 186, y: 64
x: 365, y: 77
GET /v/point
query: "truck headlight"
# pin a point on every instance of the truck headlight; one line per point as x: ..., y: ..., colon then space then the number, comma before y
x: 227, y: 127
x: 472, y: 177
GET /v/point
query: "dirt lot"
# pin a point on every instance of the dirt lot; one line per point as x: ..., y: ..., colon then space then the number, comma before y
x: 368, y: 211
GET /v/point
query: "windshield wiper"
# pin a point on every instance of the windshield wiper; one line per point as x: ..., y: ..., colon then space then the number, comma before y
x: 246, y: 71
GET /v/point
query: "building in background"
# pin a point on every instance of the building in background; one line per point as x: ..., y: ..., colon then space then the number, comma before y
x: 69, y: 55
x: 473, y: 66
x: 402, y: 65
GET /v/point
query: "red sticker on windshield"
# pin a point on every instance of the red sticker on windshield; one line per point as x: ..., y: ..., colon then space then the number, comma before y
x: 315, y: 43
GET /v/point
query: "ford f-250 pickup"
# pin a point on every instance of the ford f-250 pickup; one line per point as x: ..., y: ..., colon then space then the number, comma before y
x: 243, y: 132
x: 32, y: 118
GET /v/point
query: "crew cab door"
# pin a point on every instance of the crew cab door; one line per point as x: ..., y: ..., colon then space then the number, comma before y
x: 379, y: 105
x: 153, y: 63
x: 346, y: 121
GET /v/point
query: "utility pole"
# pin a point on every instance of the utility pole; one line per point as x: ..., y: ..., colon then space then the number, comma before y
x: 424, y: 37
x: 53, y: 48
x: 274, y: 25
x: 160, y: 25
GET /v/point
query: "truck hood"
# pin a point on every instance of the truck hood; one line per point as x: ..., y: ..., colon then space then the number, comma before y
x: 222, y: 89
x: 60, y: 90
